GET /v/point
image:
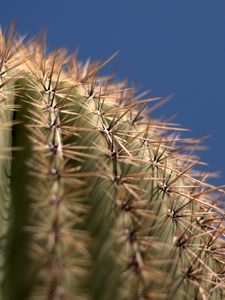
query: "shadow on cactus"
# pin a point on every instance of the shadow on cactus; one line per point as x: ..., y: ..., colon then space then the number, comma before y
x: 98, y: 199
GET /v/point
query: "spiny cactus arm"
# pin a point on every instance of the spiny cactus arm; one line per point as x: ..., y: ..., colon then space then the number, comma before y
x: 165, y: 188
x: 154, y: 259
x: 109, y: 208
x: 57, y: 246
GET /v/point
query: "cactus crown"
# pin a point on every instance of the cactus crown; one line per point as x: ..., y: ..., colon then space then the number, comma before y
x: 98, y: 199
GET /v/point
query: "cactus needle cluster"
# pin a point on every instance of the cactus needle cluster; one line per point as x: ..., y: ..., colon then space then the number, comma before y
x: 98, y: 199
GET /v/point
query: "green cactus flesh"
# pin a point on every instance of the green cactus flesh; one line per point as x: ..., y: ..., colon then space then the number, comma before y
x: 98, y: 200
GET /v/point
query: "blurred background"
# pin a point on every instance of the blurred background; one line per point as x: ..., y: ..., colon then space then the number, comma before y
x: 170, y: 47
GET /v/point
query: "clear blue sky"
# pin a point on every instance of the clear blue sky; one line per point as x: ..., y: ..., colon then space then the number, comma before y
x: 167, y: 46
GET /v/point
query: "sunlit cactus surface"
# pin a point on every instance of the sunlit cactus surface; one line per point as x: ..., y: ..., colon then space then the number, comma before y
x: 98, y: 199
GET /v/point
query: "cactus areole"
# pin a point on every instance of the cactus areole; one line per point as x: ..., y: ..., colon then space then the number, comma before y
x: 98, y: 199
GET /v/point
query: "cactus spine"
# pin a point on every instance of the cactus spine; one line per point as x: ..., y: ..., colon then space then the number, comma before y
x: 98, y: 200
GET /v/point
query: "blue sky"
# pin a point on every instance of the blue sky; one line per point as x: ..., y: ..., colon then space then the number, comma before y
x: 169, y: 47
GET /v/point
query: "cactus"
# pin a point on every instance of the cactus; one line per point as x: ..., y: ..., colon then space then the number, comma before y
x: 98, y: 199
